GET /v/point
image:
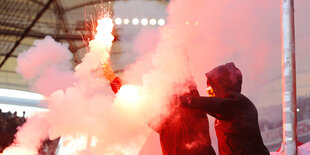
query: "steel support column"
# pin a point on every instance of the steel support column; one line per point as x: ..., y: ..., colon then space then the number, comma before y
x: 289, y: 144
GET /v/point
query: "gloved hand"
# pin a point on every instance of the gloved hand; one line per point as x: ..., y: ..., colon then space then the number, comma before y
x: 116, y: 84
x: 185, y: 100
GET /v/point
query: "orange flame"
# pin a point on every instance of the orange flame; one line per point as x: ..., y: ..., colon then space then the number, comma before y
x: 210, y: 91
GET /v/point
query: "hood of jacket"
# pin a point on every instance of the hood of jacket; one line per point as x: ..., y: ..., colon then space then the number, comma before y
x: 225, y: 78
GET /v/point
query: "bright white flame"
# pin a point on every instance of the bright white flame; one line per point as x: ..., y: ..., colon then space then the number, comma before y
x: 135, y: 21
x: 101, y: 45
x: 104, y: 30
x: 144, y: 21
x: 128, y: 96
x: 20, y: 94
x: 153, y: 21
x: 161, y: 22
x: 118, y: 21
x: 70, y: 145
x: 126, y: 21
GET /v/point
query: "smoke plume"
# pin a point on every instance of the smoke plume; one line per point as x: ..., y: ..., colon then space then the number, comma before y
x: 197, y: 37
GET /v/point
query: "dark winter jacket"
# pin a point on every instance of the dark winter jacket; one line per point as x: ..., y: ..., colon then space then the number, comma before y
x: 185, y: 131
x: 236, y: 122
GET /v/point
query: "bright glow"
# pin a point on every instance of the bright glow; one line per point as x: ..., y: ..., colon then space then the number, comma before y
x: 15, y: 150
x: 94, y: 141
x: 187, y: 22
x: 161, y: 22
x: 196, y: 23
x: 297, y: 109
x: 118, y: 21
x: 210, y: 91
x: 20, y: 94
x: 104, y: 30
x: 153, y: 21
x: 126, y: 21
x: 70, y: 145
x: 128, y: 96
x: 135, y: 21
x: 102, y: 43
x: 29, y: 111
x: 144, y: 21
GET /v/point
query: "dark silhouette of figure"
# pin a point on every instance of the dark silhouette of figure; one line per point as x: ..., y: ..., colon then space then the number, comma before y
x: 236, y: 122
x: 185, y: 131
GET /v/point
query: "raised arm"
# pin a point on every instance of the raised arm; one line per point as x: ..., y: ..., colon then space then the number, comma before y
x: 221, y: 108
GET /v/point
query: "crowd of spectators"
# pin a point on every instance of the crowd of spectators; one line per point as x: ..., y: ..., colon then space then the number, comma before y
x: 274, y: 113
x: 9, y: 123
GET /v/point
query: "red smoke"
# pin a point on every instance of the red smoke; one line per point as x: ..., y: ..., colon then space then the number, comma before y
x: 197, y: 37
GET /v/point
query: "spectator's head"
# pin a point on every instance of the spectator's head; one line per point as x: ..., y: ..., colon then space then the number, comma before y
x: 225, y: 78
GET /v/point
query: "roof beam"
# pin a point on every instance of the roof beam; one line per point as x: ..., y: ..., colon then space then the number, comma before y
x: 96, y: 2
x: 64, y: 23
x: 85, y: 4
x: 42, y: 35
x: 26, y: 31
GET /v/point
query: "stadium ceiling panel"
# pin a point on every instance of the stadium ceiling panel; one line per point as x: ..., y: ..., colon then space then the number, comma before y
x: 23, y: 21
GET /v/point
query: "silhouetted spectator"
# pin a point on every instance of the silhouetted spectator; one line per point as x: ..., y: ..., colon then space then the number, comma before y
x: 236, y: 122
x: 184, y: 132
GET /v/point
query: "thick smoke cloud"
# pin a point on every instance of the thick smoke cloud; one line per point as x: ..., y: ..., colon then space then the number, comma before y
x: 247, y: 33
x: 197, y: 37
x: 47, y: 66
x: 83, y: 108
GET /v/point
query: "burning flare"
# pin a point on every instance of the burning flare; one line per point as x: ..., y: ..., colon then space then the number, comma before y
x: 128, y: 97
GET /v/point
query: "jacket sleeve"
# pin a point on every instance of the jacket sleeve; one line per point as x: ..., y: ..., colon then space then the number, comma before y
x: 116, y: 84
x: 220, y: 108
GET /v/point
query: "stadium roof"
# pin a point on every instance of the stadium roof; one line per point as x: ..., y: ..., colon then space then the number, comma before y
x: 23, y: 21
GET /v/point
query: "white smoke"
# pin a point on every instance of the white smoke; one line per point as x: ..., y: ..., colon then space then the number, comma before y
x: 207, y: 33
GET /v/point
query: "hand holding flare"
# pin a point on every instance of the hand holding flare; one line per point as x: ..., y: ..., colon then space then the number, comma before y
x: 115, y: 81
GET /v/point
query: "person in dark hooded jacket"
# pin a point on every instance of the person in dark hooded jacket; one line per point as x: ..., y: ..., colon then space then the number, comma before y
x: 236, y: 122
x: 184, y: 131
